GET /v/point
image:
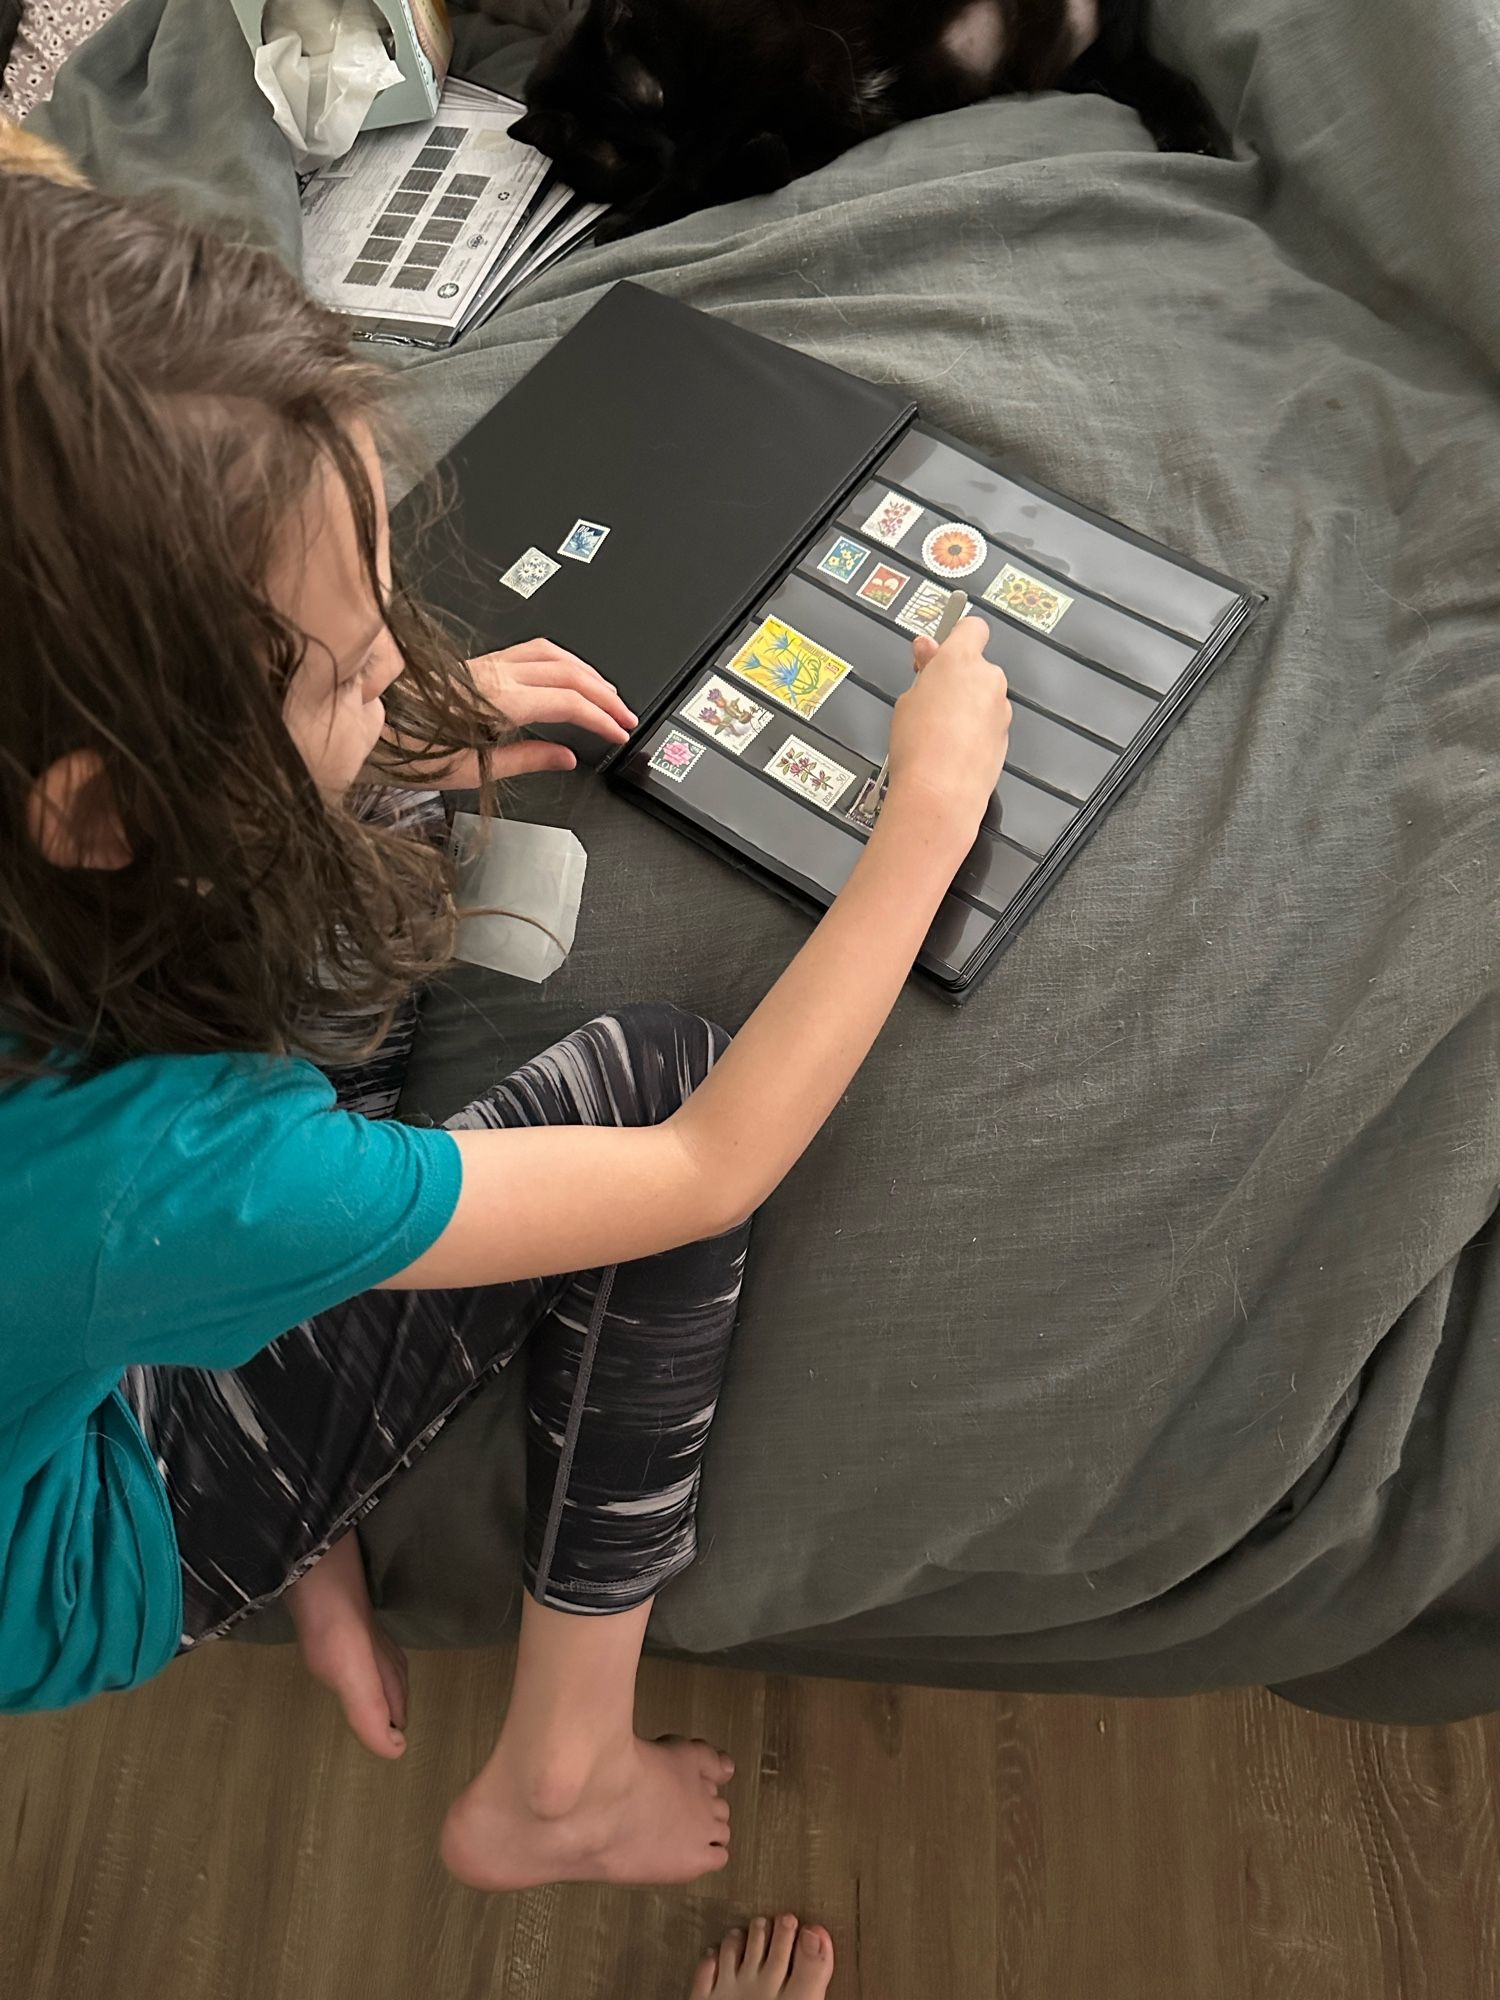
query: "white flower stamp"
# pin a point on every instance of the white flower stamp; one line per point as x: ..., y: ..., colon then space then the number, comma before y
x: 529, y: 572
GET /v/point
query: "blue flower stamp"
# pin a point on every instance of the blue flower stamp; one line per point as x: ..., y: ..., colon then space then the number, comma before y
x: 583, y: 541
x: 844, y: 560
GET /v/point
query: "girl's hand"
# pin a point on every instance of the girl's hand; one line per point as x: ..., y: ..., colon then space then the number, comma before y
x: 539, y: 682
x: 951, y: 728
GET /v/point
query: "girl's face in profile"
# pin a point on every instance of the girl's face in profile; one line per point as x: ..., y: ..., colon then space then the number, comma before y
x: 333, y: 707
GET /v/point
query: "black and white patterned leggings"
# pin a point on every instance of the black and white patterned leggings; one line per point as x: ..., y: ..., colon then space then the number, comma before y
x: 267, y: 1464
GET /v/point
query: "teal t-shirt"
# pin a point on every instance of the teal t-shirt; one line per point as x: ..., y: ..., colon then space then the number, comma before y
x: 177, y: 1209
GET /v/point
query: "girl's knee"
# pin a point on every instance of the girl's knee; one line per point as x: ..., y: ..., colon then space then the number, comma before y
x: 670, y: 1052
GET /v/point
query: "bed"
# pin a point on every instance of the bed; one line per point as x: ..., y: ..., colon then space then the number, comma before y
x: 1134, y: 1328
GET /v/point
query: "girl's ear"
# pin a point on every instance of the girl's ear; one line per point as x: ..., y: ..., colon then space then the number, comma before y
x: 72, y: 817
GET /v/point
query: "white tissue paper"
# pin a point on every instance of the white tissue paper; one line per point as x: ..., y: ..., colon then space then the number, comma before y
x: 321, y: 64
x: 526, y: 883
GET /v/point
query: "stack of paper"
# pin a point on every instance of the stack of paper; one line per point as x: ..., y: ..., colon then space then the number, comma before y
x: 419, y: 231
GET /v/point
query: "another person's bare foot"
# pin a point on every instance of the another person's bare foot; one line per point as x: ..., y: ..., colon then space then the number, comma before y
x: 343, y: 1647
x: 775, y: 1960
x: 645, y: 1812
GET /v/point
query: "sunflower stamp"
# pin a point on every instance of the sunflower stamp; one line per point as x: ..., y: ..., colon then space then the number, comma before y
x: 954, y: 549
x: 1027, y: 598
x: 788, y: 666
x: 675, y: 755
x: 529, y: 572
x: 583, y: 541
x: 800, y: 768
x: 891, y: 519
x: 845, y: 559
x: 923, y: 610
x: 883, y: 586
x: 726, y: 713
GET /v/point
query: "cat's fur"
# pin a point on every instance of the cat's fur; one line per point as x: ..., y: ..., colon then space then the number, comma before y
x: 22, y: 153
x: 664, y: 106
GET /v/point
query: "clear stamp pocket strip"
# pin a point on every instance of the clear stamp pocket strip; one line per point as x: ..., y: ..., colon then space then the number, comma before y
x: 830, y: 778
x: 1112, y: 561
x: 771, y: 826
x: 1039, y: 672
x: 1090, y: 628
x: 1050, y: 753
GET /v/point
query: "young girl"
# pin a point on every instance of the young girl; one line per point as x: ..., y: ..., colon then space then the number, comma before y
x: 234, y: 1303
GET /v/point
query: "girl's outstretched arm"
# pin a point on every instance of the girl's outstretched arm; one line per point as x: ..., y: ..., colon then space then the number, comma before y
x: 574, y: 1198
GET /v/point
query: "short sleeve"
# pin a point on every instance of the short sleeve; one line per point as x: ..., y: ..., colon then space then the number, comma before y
x: 256, y: 1204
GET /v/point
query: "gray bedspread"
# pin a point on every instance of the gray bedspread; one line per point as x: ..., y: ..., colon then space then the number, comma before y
x: 1135, y: 1327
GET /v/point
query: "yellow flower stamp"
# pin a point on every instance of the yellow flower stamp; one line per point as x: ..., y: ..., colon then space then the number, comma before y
x: 1027, y: 598
x: 788, y: 666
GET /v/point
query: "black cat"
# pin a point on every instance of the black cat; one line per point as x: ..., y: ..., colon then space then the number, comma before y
x: 660, y: 107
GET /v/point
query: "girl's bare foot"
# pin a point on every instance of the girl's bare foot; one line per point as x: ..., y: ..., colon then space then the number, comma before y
x: 645, y: 1812
x: 343, y: 1647
x: 775, y: 1960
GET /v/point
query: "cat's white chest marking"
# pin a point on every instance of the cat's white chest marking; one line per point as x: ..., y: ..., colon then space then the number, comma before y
x: 975, y: 39
x: 1083, y: 19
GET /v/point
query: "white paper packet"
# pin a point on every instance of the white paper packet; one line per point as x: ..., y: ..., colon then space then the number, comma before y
x: 530, y: 879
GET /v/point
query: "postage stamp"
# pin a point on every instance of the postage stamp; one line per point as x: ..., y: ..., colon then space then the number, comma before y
x: 891, y: 519
x: 726, y: 713
x: 583, y: 541
x: 799, y: 767
x: 845, y: 559
x: 529, y: 572
x: 883, y: 586
x: 787, y: 665
x: 954, y: 549
x: 923, y: 610
x: 675, y: 755
x: 1027, y: 598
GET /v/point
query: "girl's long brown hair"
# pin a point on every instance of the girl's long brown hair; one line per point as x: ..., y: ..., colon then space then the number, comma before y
x: 166, y: 400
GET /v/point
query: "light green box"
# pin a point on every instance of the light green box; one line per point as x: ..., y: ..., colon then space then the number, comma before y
x: 421, y: 44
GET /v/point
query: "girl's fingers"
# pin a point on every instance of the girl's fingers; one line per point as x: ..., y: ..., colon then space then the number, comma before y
x: 540, y: 663
x: 562, y: 704
x: 922, y: 651
x: 521, y: 759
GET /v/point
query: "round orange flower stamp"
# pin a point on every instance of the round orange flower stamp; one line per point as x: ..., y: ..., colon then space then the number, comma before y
x: 954, y: 550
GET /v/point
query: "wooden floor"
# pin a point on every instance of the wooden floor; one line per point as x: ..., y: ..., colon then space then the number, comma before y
x: 217, y: 1837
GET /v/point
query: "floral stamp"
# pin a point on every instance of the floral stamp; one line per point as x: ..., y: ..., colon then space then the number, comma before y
x: 891, y: 519
x: 1027, y: 598
x: 799, y: 767
x: 583, y: 541
x: 675, y: 755
x: 844, y: 559
x: 529, y: 572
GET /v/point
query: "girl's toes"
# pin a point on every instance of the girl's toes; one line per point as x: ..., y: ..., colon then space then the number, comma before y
x: 755, y: 1945
x: 392, y: 1664
x: 731, y: 1951
x: 369, y: 1716
x: 779, y: 1956
x: 706, y: 1977
x: 712, y: 1764
x: 720, y: 1810
x: 812, y: 1965
x: 717, y: 1768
